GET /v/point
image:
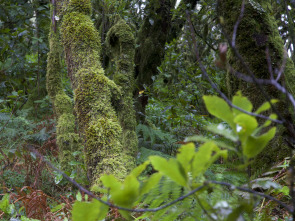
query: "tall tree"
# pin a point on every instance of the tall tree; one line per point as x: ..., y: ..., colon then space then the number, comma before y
x: 68, y: 140
x: 97, y: 98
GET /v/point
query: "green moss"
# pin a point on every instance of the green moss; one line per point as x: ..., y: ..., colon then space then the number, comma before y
x: 81, y: 6
x: 121, y: 47
x: 96, y: 98
x: 67, y: 140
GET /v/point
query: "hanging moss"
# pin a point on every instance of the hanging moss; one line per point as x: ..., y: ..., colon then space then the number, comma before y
x: 67, y: 139
x: 96, y: 96
x: 256, y: 32
x: 121, y: 48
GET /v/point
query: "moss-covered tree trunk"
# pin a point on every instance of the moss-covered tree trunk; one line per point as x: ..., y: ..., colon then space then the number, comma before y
x: 121, y: 49
x: 257, y: 32
x: 67, y: 138
x: 97, y: 98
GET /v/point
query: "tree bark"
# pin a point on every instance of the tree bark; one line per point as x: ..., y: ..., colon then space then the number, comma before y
x: 96, y: 96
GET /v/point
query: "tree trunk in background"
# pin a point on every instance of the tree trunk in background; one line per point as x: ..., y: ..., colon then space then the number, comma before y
x: 120, y: 45
x: 67, y: 140
x: 158, y: 28
x: 257, y: 32
x: 96, y: 96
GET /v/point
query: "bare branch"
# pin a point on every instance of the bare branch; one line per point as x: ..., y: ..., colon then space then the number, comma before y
x: 81, y: 188
x: 237, y: 24
x: 288, y: 208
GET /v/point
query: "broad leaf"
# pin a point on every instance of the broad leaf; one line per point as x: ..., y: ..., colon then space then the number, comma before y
x: 206, y: 155
x: 254, y: 145
x: 150, y: 183
x: 172, y: 168
x: 219, y: 108
x: 265, y: 106
x: 241, y: 102
x: 221, y: 130
x: 89, y: 211
x: 139, y: 169
x: 186, y: 155
x: 246, y: 124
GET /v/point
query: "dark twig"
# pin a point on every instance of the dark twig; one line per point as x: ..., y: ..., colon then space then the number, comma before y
x: 273, y: 82
x: 268, y: 59
x: 237, y: 24
x: 282, y: 68
x: 81, y: 188
x: 288, y: 208
x: 32, y: 149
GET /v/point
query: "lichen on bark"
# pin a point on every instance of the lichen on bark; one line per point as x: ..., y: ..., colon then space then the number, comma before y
x: 67, y: 139
x: 257, y: 32
x: 96, y: 96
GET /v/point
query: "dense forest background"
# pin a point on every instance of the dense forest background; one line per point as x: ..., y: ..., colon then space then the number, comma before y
x: 147, y: 110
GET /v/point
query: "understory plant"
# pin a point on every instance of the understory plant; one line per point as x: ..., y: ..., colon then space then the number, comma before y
x: 179, y: 188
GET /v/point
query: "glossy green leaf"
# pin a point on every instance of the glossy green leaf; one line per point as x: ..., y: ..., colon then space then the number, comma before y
x: 4, y: 204
x: 79, y: 196
x: 221, y: 130
x: 172, y: 168
x: 186, y: 155
x: 152, y: 181
x: 111, y: 182
x: 254, y: 145
x: 245, y: 125
x: 219, y: 108
x: 266, y: 106
x: 205, y: 156
x: 268, y: 122
x: 139, y: 169
x: 242, y: 102
x: 202, y: 139
x: 89, y: 211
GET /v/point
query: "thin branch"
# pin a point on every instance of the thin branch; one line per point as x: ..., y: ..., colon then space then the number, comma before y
x: 288, y: 208
x: 268, y: 59
x: 265, y: 82
x: 281, y: 71
x: 81, y: 188
x: 237, y: 24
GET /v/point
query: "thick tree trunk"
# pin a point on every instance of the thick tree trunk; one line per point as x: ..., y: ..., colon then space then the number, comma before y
x: 121, y: 48
x: 257, y: 32
x: 67, y: 140
x: 96, y: 96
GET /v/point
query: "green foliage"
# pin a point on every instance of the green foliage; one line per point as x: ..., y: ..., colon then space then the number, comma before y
x: 243, y: 126
x: 17, y: 129
x: 189, y: 170
x: 12, y: 179
x: 89, y: 211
